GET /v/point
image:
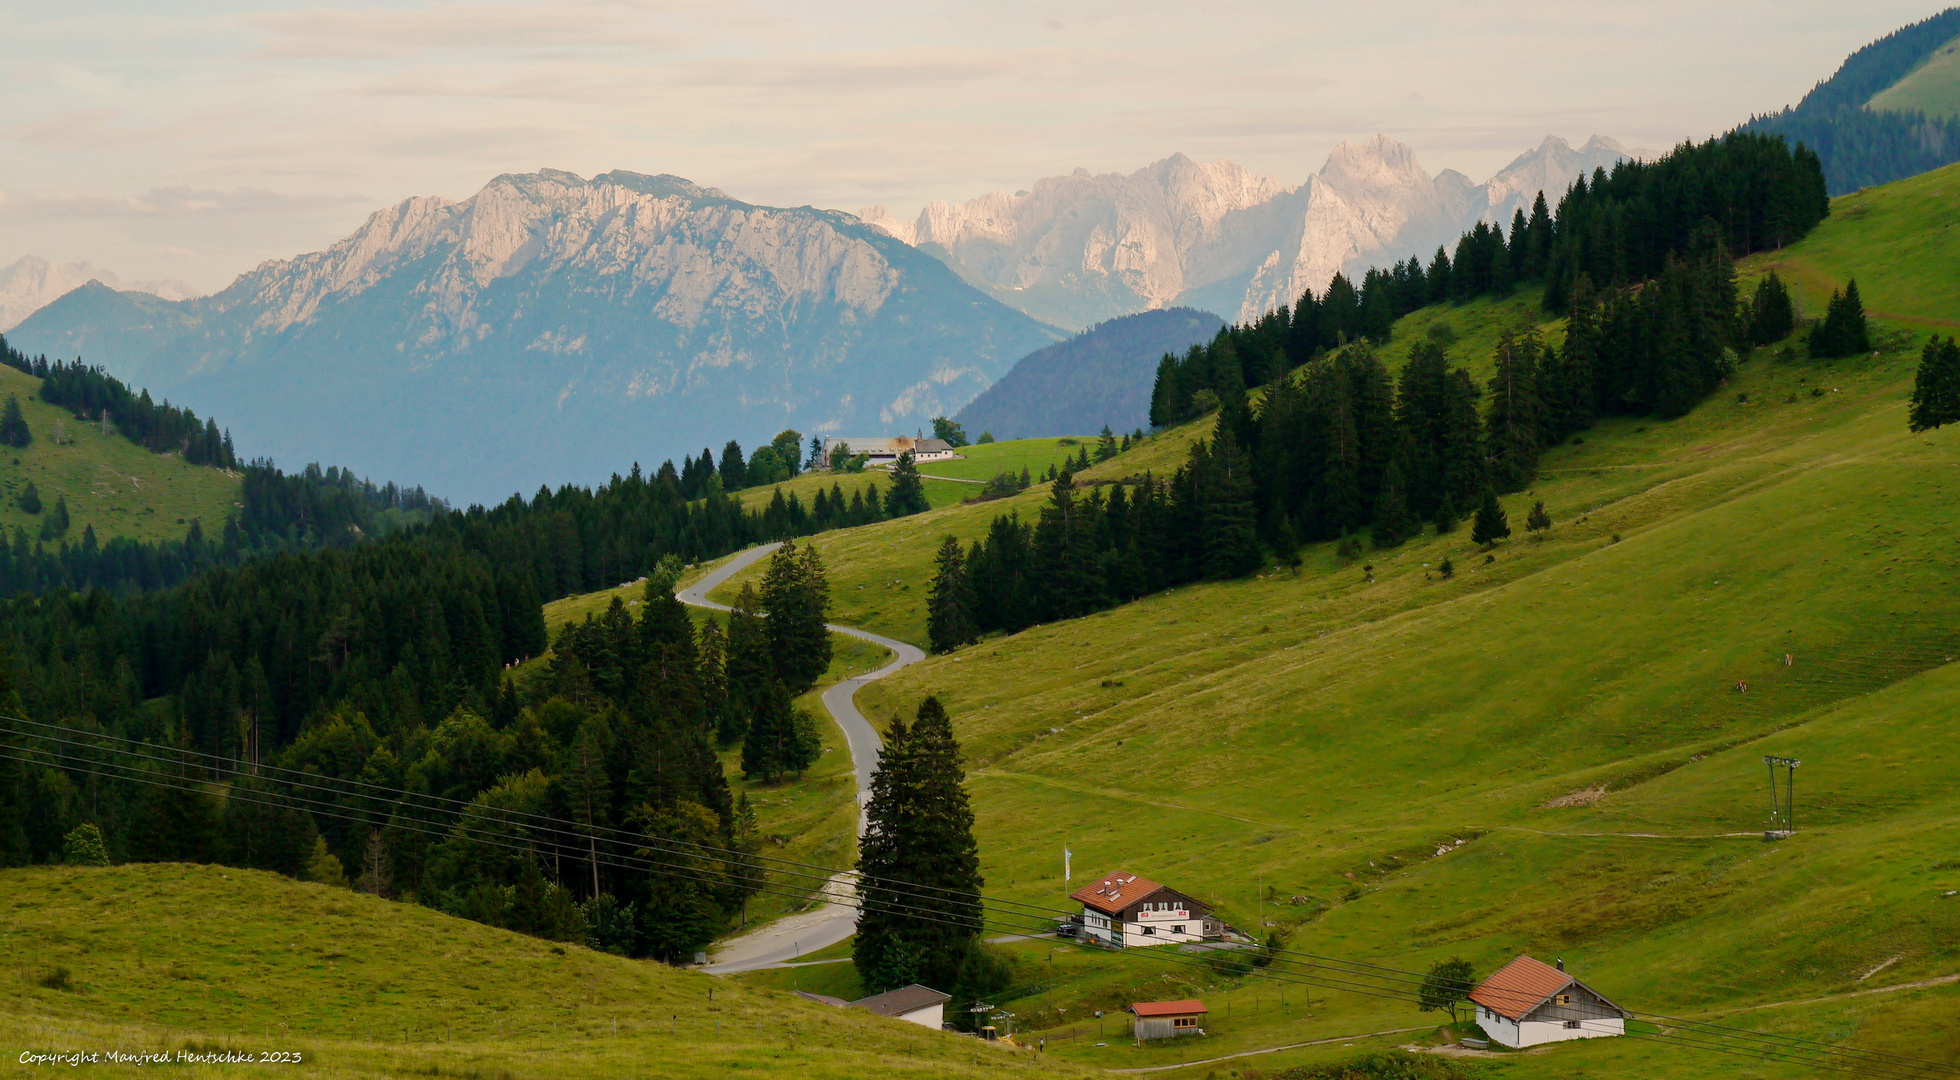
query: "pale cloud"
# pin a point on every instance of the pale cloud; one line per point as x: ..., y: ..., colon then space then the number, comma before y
x: 248, y: 130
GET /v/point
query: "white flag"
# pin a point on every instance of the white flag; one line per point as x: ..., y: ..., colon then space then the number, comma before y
x: 1065, y: 857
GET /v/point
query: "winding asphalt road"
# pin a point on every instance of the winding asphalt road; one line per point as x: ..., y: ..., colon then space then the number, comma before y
x: 788, y: 938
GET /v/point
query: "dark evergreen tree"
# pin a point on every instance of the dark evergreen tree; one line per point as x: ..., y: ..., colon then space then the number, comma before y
x: 1491, y: 524
x: 734, y: 469
x: 1772, y: 316
x: 918, y: 852
x: 30, y: 499
x: 908, y: 492
x: 949, y: 606
x: 1843, y: 331
x: 1513, y: 441
x: 768, y: 745
x: 1223, y: 480
x: 1936, y: 386
x: 1538, y: 519
x: 13, y: 426
x: 749, y: 665
x: 796, y: 596
x: 1393, y: 523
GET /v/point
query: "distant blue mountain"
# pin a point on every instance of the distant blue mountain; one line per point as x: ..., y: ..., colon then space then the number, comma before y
x: 552, y: 329
x: 1103, y: 375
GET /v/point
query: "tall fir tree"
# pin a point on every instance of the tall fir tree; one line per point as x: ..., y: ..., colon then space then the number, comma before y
x: 1936, y: 386
x: 949, y: 606
x: 1513, y: 442
x: 13, y: 426
x: 918, y: 856
x: 749, y: 664
x: 1491, y: 525
x: 1230, y: 535
x: 1772, y: 315
x: 1393, y: 523
x: 908, y: 492
x: 796, y: 595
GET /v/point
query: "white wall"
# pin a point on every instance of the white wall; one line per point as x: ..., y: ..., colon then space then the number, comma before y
x: 1534, y: 1032
x: 1500, y: 1029
x: 1134, y: 937
x: 932, y: 1016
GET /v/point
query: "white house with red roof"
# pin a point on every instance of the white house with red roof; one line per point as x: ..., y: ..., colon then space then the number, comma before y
x: 1128, y: 911
x: 1527, y: 1002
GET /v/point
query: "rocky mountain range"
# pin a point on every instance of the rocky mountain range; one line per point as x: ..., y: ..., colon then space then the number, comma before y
x: 32, y: 282
x: 1074, y: 250
x: 552, y: 329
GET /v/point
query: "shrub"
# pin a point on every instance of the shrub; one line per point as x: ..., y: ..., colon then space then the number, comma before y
x: 84, y: 847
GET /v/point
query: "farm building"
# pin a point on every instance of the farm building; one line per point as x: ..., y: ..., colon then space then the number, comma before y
x: 921, y: 1005
x: 883, y: 450
x: 1167, y: 1019
x: 1128, y: 911
x: 1527, y: 1002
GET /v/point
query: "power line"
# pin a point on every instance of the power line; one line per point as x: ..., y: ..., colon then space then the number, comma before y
x: 1778, y: 1047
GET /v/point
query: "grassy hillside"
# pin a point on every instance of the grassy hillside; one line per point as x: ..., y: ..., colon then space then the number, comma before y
x: 975, y: 465
x: 111, y: 483
x: 170, y: 957
x: 1899, y: 241
x: 1932, y: 88
x: 1572, y: 710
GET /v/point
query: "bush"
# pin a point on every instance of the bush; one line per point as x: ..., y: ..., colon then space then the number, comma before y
x: 84, y: 847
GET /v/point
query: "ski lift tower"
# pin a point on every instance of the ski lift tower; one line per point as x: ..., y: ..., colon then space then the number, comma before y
x: 1782, y: 797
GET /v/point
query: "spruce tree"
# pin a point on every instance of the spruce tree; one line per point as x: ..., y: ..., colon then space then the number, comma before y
x: 768, y: 745
x: 734, y: 469
x: 1771, y: 314
x: 1446, y: 516
x: 908, y: 492
x: 949, y: 606
x: 918, y: 856
x: 1537, y: 520
x: 1936, y: 386
x: 1393, y: 522
x: 1106, y: 444
x: 796, y: 595
x: 1230, y: 537
x: 749, y: 664
x: 30, y: 499
x: 1491, y: 524
x: 711, y: 646
x: 1514, y: 440
x: 13, y: 426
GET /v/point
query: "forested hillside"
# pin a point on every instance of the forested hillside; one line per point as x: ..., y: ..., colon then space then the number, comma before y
x: 1864, y: 137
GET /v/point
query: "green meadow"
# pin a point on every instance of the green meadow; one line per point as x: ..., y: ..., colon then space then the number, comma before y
x: 1932, y: 88
x: 1586, y: 711
x: 163, y: 958
x: 112, y: 484
x: 947, y: 483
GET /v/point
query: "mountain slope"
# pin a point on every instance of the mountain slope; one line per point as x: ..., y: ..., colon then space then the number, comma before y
x: 551, y: 328
x: 1080, y: 249
x: 1866, y: 133
x: 32, y: 282
x: 1587, y: 712
x: 210, y: 958
x: 1100, y: 376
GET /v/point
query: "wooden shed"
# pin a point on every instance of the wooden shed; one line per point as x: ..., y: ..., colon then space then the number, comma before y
x: 1167, y: 1019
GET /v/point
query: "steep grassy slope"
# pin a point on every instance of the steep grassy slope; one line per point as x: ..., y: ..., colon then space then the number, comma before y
x: 1899, y: 241
x: 1932, y: 88
x: 173, y: 957
x: 1320, y: 738
x: 111, y: 483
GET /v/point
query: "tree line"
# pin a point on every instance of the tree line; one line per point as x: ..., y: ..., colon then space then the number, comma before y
x: 1344, y: 446
x: 1863, y: 147
x: 92, y: 395
x: 617, y: 732
x: 1613, y: 232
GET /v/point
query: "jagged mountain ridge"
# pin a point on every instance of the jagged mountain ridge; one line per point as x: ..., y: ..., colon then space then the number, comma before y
x: 1082, y: 248
x: 32, y: 283
x: 551, y: 328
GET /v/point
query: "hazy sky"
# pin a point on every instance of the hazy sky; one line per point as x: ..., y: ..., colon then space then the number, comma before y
x: 196, y: 138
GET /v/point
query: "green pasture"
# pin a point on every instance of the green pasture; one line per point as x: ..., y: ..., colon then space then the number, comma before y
x: 1932, y: 88
x: 110, y: 483
x: 173, y: 957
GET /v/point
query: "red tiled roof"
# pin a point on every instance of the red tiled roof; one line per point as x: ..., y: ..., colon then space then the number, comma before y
x: 1113, y: 893
x: 1519, y: 987
x: 1168, y: 1008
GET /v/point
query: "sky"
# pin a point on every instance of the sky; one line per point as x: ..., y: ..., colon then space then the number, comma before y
x: 195, y: 139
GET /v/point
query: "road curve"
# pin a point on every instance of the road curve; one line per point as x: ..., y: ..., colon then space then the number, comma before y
x: 795, y: 935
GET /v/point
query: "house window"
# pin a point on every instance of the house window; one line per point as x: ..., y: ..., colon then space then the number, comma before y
x: 1184, y: 1021
x: 1178, y: 929
x: 1565, y: 999
x: 1149, y: 930
x: 1572, y: 1025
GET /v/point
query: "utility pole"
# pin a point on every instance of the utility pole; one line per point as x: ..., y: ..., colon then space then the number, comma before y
x: 1782, y: 802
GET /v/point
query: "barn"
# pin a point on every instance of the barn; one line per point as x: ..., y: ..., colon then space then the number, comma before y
x: 1528, y: 1002
x: 1167, y: 1019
